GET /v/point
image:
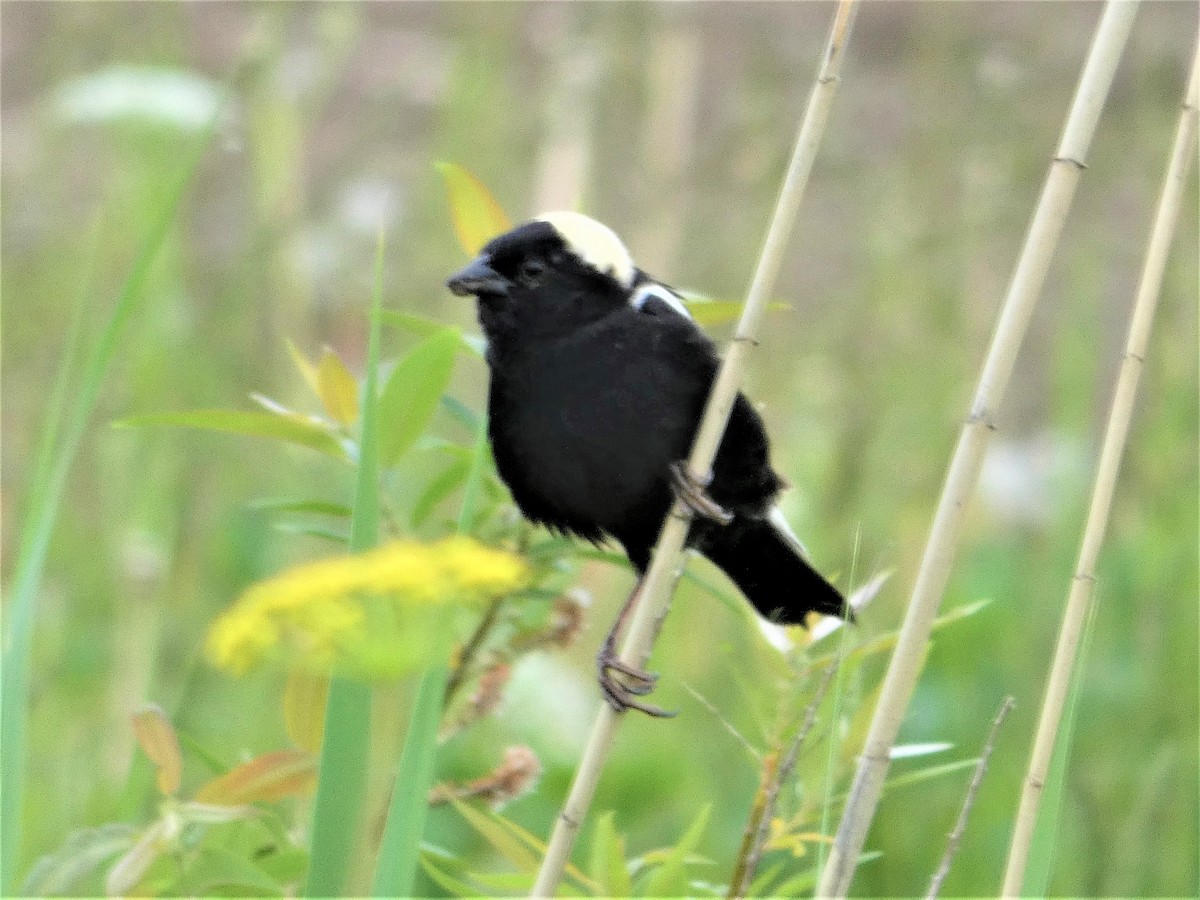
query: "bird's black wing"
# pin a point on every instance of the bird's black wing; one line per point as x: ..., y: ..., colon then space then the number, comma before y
x: 743, y: 480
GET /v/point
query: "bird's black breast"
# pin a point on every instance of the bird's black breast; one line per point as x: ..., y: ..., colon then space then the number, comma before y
x: 584, y: 428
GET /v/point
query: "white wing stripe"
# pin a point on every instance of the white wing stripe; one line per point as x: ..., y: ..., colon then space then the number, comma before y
x: 646, y: 291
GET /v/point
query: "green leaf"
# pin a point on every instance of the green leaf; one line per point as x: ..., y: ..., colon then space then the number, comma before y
x: 910, y: 778
x: 412, y: 392
x: 806, y: 881
x: 285, y: 865
x: 476, y: 214
x: 292, y: 505
x: 305, y: 367
x: 438, y: 489
x: 217, y: 868
x: 670, y: 879
x: 309, y: 529
x: 763, y: 880
x: 607, y: 864
x: 493, y: 829
x: 708, y: 312
x: 291, y: 428
x: 463, y: 414
x: 447, y: 882
x: 423, y: 326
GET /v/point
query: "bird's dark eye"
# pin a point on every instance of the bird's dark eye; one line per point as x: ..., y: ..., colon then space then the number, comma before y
x: 531, y: 272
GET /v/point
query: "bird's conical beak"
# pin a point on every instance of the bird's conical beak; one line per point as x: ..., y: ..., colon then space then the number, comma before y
x: 478, y: 277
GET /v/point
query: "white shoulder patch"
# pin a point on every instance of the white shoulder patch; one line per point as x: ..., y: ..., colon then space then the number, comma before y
x: 595, y: 244
x: 651, y: 289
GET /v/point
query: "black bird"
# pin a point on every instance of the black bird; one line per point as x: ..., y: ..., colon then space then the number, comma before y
x: 599, y: 377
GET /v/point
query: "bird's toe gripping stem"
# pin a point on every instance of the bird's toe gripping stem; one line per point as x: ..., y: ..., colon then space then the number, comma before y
x: 693, y: 492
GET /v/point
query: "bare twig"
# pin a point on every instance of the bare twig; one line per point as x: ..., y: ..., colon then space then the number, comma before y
x: 1115, y: 435
x: 1023, y: 293
x: 666, y: 564
x: 467, y: 655
x: 935, y: 885
x: 759, y: 823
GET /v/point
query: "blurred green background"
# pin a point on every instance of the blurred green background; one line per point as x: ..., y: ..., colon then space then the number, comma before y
x: 672, y: 123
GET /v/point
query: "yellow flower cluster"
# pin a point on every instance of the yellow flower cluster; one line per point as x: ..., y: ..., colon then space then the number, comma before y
x: 331, y: 607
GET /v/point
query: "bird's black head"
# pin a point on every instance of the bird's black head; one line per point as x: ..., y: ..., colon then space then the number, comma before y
x: 547, y: 278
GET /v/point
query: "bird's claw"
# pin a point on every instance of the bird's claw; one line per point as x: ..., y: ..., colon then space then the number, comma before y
x: 693, y: 492
x: 622, y: 693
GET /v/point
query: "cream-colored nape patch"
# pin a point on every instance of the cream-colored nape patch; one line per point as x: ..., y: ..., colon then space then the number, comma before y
x: 594, y: 243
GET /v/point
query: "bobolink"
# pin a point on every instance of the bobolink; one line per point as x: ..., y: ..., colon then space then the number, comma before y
x: 599, y: 377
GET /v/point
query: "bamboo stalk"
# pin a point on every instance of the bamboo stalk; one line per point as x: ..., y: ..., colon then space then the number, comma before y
x: 1116, y: 433
x: 1013, y: 322
x: 666, y: 564
x: 960, y: 826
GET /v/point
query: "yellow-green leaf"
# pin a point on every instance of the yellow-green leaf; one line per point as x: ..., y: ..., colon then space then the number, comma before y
x: 492, y: 829
x: 304, y: 700
x: 158, y: 740
x: 412, y: 392
x: 476, y: 214
x: 282, y: 425
x: 503, y: 832
x: 708, y: 312
x: 607, y: 865
x: 338, y: 388
x: 272, y: 776
x: 670, y: 879
x: 304, y: 365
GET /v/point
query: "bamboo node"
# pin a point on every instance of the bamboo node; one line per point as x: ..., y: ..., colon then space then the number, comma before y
x: 1085, y: 576
x: 570, y: 821
x: 745, y: 339
x: 1077, y: 163
x: 1132, y: 354
x: 828, y: 79
x: 982, y: 417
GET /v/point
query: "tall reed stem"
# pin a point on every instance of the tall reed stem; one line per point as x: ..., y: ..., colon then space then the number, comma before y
x: 666, y: 565
x: 1115, y: 435
x: 934, y: 571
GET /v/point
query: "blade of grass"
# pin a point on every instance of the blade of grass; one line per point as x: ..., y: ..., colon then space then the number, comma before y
x: 341, y: 781
x: 399, y: 851
x: 1044, y: 841
x: 46, y: 498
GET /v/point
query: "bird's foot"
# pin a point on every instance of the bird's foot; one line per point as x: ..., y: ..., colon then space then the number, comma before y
x: 622, y: 684
x: 693, y: 492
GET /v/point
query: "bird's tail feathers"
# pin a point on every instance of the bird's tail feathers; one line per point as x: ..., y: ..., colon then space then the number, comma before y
x: 768, y: 566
